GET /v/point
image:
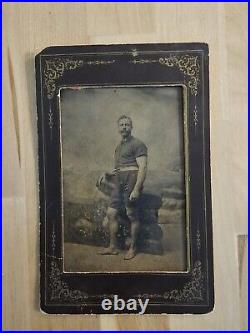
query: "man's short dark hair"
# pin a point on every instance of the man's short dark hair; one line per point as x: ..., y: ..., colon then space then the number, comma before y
x: 124, y: 117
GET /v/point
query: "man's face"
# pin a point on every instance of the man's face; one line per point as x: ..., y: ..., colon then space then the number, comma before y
x: 125, y: 127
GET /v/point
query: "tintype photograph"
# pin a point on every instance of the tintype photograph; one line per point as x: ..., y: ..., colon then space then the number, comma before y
x: 124, y: 193
x: 124, y: 178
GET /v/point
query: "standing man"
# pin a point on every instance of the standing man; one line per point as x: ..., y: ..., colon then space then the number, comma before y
x: 129, y: 176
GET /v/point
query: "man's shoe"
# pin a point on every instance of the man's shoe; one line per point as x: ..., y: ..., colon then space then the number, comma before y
x: 109, y: 251
x: 130, y: 254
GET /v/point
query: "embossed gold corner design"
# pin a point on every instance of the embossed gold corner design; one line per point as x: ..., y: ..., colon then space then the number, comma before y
x: 56, y: 67
x: 60, y: 290
x: 188, y: 64
x: 192, y: 291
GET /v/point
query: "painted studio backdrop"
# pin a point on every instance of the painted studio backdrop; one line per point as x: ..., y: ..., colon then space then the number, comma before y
x: 90, y: 135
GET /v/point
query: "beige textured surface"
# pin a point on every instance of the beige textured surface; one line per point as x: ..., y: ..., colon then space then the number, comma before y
x: 30, y: 27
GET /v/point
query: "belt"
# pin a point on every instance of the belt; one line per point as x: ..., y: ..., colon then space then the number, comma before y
x: 128, y: 168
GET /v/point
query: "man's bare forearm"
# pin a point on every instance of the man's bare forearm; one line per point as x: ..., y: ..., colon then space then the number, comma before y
x: 142, y: 172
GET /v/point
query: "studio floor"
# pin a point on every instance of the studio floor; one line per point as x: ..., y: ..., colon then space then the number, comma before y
x: 82, y: 258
